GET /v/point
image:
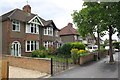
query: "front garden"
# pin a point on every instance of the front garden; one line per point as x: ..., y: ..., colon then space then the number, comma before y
x: 74, y: 53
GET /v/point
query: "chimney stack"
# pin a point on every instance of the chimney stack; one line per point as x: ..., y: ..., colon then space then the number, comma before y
x: 27, y: 8
x: 70, y: 25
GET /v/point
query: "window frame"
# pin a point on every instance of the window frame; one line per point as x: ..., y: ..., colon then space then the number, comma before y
x: 14, y: 22
x: 34, y: 26
x: 35, y: 45
x: 48, y: 31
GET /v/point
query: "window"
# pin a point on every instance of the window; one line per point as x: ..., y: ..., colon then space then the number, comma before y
x: 32, y: 45
x: 75, y: 37
x: 32, y: 28
x: 47, y: 44
x: 48, y: 31
x: 56, y: 33
x: 15, y: 26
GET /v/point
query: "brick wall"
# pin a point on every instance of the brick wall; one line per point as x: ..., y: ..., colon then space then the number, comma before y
x: 85, y: 59
x: 43, y: 65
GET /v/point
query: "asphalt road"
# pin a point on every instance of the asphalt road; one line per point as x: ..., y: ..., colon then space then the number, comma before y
x: 96, y: 69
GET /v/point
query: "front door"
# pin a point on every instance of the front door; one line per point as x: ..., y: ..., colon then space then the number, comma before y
x: 16, y: 49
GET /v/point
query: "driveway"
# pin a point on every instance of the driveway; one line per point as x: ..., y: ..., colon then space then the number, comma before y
x: 16, y: 72
x: 96, y: 69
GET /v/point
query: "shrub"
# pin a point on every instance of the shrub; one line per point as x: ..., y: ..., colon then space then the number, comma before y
x: 83, y: 52
x: 74, y: 55
x: 42, y: 48
x: 51, y: 50
x: 67, y: 47
x: 78, y: 45
x: 39, y: 53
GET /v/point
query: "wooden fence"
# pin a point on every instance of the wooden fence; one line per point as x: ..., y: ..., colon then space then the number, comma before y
x: 4, y: 70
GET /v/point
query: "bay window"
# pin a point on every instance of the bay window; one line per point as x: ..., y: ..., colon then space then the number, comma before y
x: 32, y: 28
x: 32, y: 45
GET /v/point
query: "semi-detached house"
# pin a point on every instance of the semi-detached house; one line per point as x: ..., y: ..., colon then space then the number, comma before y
x: 24, y: 32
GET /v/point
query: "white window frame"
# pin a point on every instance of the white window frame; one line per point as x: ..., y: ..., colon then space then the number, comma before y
x: 48, y: 31
x: 47, y: 43
x: 30, y: 45
x: 17, y: 25
x: 56, y: 33
x: 29, y: 26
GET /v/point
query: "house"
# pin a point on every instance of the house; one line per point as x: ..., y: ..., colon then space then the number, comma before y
x: 69, y: 34
x: 24, y: 32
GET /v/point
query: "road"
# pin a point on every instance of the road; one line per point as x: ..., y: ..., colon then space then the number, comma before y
x: 96, y: 69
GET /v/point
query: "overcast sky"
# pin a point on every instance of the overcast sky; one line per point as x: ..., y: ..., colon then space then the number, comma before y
x: 57, y: 10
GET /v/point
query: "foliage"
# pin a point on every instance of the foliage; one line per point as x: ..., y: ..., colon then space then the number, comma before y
x: 83, y: 52
x: 78, y: 45
x: 67, y: 47
x: 42, y: 47
x: 39, y: 53
x: 116, y: 45
x: 74, y: 55
x: 104, y: 15
x: 51, y: 50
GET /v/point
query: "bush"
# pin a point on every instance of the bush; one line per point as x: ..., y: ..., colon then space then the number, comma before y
x: 51, y: 50
x: 42, y: 48
x: 39, y: 53
x: 79, y: 46
x: 66, y: 47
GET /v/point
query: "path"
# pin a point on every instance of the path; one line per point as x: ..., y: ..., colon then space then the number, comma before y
x: 99, y: 69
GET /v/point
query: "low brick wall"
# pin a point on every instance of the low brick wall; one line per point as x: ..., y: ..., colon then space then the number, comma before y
x: 40, y: 64
x: 85, y: 59
x: 4, y: 70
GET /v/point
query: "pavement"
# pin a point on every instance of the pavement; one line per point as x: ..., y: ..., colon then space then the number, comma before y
x: 95, y: 69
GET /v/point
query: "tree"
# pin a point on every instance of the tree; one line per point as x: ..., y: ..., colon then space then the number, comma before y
x: 104, y: 15
x: 87, y: 23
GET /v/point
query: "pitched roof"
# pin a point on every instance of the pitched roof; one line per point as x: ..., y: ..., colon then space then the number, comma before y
x: 18, y: 14
x: 68, y: 30
x: 24, y: 16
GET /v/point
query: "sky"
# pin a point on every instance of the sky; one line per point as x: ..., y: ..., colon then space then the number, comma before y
x: 57, y: 10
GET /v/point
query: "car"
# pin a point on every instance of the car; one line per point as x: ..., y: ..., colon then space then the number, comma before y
x: 92, y: 48
x: 116, y: 50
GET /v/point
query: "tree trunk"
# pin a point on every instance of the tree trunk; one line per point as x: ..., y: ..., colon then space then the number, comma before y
x: 110, y: 44
x: 98, y: 43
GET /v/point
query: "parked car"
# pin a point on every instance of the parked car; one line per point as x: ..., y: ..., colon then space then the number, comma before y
x: 92, y: 48
x: 116, y: 50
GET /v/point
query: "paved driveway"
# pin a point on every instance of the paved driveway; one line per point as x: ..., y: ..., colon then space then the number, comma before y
x: 99, y: 69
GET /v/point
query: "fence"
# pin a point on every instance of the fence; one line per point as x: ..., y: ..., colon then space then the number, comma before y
x: 4, y: 70
x: 61, y: 63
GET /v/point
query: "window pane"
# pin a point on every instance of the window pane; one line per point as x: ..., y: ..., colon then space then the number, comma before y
x: 13, y: 27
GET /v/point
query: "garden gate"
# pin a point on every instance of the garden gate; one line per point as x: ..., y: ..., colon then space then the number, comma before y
x: 61, y: 63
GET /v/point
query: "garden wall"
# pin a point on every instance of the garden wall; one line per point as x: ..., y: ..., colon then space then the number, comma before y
x: 40, y: 64
x: 4, y: 70
x: 87, y: 58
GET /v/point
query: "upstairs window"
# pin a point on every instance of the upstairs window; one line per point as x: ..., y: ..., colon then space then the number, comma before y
x: 32, y: 28
x: 48, y: 31
x: 56, y: 33
x: 16, y: 26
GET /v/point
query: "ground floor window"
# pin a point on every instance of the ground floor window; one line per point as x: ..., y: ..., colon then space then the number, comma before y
x: 47, y: 44
x: 32, y: 45
x: 16, y: 48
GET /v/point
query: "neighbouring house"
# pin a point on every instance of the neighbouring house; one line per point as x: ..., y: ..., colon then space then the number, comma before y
x: 69, y: 34
x: 92, y: 40
x: 24, y: 32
